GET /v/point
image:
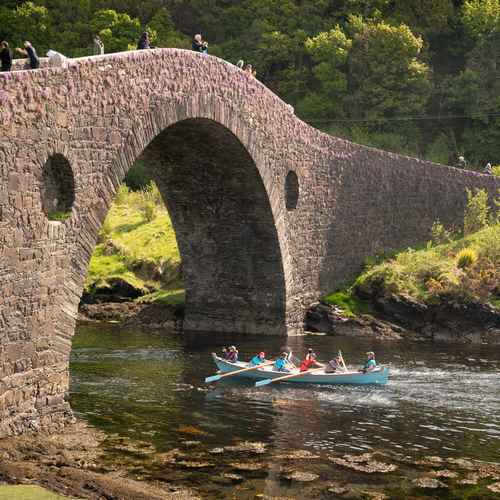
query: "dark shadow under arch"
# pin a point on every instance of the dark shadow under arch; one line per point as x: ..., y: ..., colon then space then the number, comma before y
x: 57, y: 185
x: 231, y: 258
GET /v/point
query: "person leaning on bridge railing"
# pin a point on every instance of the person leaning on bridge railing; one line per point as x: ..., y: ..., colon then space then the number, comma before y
x: 5, y: 56
x: 30, y: 52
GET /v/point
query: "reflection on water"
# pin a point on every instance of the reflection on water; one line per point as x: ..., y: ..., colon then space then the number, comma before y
x: 441, y: 399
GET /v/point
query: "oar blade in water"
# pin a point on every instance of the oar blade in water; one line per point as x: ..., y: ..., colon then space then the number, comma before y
x: 266, y: 381
x: 213, y: 378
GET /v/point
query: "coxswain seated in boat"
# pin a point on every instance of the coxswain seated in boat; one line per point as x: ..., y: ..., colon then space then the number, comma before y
x: 334, y: 364
x: 230, y: 354
x: 258, y: 359
x: 370, y: 363
x: 309, y: 361
x: 282, y: 364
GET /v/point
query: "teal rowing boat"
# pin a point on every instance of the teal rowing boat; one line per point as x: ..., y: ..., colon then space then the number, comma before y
x: 378, y: 376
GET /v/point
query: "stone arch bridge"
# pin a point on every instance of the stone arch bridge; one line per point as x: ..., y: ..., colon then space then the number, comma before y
x: 269, y: 213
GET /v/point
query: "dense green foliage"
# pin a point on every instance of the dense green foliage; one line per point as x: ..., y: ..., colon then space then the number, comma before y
x: 413, y: 76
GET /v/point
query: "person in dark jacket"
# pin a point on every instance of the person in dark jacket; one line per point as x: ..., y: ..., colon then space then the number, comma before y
x: 30, y: 52
x: 5, y: 56
x: 144, y: 42
x: 199, y: 45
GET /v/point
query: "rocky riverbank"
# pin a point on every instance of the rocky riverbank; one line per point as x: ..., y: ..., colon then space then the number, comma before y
x: 79, y: 463
x: 397, y: 317
x: 72, y: 464
x: 390, y: 318
x: 155, y: 315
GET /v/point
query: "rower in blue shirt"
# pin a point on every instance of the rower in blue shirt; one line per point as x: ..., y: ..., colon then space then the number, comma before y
x: 281, y: 364
x: 258, y: 359
x: 370, y: 363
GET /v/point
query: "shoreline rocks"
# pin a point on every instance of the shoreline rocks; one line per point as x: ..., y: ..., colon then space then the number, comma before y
x: 397, y: 317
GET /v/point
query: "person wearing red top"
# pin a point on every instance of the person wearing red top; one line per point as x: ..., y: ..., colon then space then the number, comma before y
x: 309, y: 361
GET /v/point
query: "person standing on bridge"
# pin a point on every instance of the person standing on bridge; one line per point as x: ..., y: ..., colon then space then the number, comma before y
x: 30, y: 52
x: 199, y: 45
x: 98, y: 46
x: 5, y: 56
x: 461, y: 163
x: 144, y: 42
x: 488, y: 169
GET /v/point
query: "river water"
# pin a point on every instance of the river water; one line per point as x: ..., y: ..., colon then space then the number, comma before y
x: 147, y: 387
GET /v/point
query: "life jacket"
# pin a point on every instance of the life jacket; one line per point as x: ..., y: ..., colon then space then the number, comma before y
x: 306, y: 364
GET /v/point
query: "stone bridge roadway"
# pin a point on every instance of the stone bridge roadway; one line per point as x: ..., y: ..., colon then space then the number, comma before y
x: 269, y: 213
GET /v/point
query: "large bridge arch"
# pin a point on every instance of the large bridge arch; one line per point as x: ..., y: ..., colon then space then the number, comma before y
x: 225, y: 226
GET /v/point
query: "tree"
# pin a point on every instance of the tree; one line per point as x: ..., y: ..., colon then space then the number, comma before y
x: 425, y: 16
x: 329, y: 51
x: 375, y: 74
x: 163, y: 33
x: 475, y: 91
x: 386, y: 77
x: 118, y: 31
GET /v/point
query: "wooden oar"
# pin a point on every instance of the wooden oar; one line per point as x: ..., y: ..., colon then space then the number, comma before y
x: 215, y: 378
x: 285, y: 377
x: 342, y: 359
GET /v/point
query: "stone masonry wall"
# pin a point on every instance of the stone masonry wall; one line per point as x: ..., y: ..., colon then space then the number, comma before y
x: 264, y: 262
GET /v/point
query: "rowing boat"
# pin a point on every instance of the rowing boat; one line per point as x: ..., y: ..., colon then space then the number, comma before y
x: 377, y: 376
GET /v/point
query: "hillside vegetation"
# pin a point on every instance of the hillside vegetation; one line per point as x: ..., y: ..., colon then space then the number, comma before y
x: 137, y: 254
x: 452, y: 268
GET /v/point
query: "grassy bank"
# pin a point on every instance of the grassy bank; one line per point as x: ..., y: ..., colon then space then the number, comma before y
x: 137, y: 250
x: 452, y: 268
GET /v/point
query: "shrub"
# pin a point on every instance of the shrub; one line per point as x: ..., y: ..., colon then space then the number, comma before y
x: 152, y: 193
x: 440, y: 234
x: 148, y: 210
x: 138, y: 176
x: 122, y: 195
x: 466, y: 258
x: 477, y: 211
x: 105, y: 232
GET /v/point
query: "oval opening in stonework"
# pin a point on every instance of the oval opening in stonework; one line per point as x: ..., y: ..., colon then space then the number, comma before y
x: 57, y: 188
x: 291, y: 190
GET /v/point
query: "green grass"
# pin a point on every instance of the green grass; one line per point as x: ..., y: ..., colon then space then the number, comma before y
x: 138, y: 246
x: 349, y: 303
x: 27, y: 492
x: 59, y: 216
x: 167, y: 297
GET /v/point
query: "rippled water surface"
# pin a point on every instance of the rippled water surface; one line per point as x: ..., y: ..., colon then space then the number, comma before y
x: 441, y: 399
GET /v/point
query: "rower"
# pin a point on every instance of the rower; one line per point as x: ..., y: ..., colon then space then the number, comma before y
x: 282, y: 364
x: 334, y: 364
x: 232, y: 354
x: 370, y: 363
x: 258, y: 359
x: 309, y: 361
